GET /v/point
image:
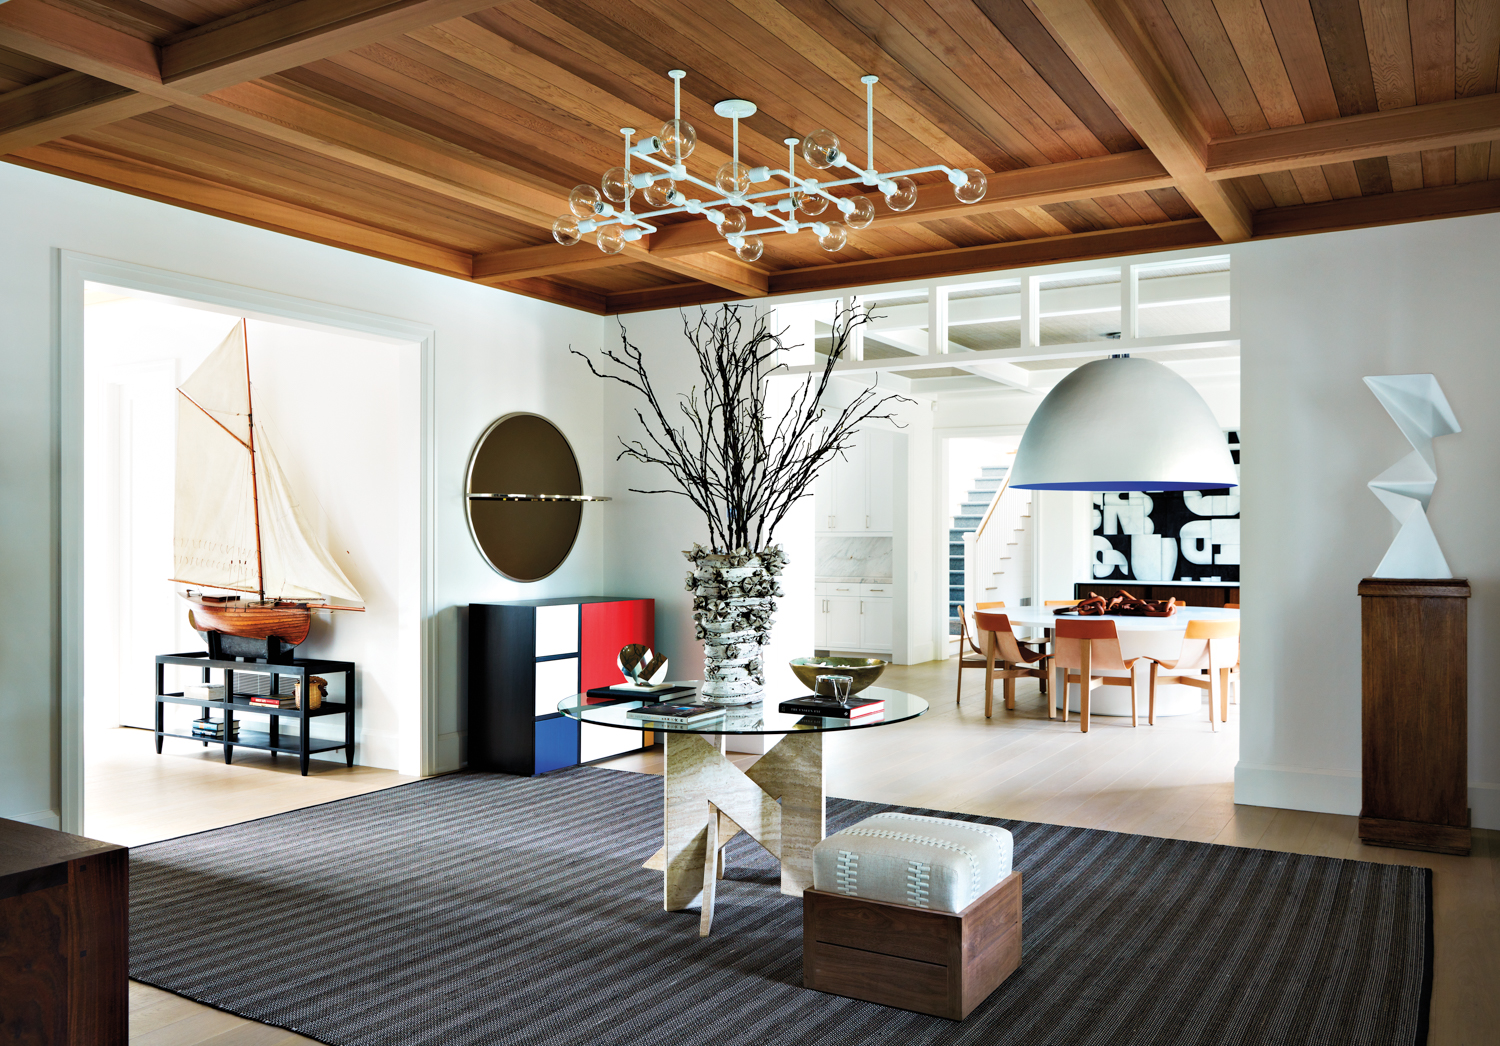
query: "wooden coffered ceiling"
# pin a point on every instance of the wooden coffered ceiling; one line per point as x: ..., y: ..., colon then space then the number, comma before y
x: 445, y: 134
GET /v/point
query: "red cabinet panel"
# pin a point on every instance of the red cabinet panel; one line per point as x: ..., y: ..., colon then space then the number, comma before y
x: 606, y: 628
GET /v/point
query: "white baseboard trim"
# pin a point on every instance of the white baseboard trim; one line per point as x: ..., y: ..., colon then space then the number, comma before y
x: 40, y: 818
x: 1315, y: 789
x: 1484, y: 805
x: 1336, y: 792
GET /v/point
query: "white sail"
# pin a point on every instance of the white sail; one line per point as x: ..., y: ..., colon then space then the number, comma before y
x: 295, y: 565
x: 217, y: 542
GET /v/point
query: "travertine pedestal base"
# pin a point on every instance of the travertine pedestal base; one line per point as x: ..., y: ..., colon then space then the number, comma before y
x: 709, y: 800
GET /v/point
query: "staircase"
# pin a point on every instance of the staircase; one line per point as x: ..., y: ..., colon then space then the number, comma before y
x: 971, y: 512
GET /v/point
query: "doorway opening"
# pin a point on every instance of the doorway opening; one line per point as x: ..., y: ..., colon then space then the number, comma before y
x: 344, y: 411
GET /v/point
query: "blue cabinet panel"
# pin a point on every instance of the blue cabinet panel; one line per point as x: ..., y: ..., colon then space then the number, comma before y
x: 556, y: 743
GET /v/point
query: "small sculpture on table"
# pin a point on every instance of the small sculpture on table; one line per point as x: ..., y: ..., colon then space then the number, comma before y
x: 643, y: 668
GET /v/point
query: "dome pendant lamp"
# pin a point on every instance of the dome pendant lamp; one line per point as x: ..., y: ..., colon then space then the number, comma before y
x: 1123, y: 424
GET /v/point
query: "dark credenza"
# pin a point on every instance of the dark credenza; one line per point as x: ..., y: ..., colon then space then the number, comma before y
x: 64, y: 949
x: 1186, y: 595
x: 1415, y: 722
x: 525, y: 656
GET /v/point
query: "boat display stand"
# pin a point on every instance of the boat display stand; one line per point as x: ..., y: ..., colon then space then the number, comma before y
x: 235, y: 703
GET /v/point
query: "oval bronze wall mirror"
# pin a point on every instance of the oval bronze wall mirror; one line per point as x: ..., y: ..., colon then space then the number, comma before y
x: 525, y: 496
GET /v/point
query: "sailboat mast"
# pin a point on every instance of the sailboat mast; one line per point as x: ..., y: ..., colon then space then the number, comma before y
x: 260, y: 570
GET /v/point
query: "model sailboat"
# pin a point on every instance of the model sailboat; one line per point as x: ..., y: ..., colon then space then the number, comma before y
x: 238, y: 530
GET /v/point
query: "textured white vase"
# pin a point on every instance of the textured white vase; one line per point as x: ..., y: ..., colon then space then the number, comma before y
x: 734, y: 596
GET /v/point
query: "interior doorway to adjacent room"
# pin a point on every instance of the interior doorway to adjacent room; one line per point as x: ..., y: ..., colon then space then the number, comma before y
x: 344, y: 410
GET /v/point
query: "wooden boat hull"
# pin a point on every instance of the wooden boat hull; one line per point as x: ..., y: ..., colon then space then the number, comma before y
x: 289, y: 624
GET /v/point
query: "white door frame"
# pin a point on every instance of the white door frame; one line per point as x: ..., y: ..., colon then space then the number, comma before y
x: 76, y: 269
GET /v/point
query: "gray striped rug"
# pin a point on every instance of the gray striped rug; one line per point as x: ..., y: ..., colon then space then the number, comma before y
x: 484, y: 909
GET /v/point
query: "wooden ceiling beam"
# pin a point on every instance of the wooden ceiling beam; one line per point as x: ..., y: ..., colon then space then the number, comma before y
x: 1438, y: 125
x: 200, y: 194
x: 1108, y: 175
x: 558, y: 294
x: 1106, y: 243
x: 64, y: 38
x: 69, y: 103
x: 1115, y: 51
x: 277, y: 36
x: 1363, y: 212
x: 498, y: 268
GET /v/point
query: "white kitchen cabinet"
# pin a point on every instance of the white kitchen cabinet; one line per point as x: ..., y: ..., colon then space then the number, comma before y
x: 855, y: 494
x: 849, y: 479
x: 844, y: 622
x: 880, y: 482
x: 853, y: 617
x: 875, y: 631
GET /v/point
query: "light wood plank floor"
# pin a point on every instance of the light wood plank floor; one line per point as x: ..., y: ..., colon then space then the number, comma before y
x: 1174, y: 780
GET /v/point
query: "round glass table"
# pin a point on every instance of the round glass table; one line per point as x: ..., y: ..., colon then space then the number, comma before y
x: 759, y: 718
x: 708, y: 800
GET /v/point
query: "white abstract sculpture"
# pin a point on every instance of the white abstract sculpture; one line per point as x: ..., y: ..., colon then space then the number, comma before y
x: 1420, y: 410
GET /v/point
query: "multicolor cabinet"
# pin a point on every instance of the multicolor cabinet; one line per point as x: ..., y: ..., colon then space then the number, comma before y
x: 527, y: 655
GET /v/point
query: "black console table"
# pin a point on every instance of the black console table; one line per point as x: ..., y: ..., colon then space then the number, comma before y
x: 271, y: 741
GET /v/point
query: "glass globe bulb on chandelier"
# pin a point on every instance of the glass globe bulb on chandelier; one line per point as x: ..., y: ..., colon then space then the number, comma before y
x: 664, y: 186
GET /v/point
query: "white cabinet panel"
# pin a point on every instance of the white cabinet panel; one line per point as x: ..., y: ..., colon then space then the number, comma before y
x: 557, y: 630
x: 875, y: 624
x: 555, y: 680
x: 820, y: 623
x: 597, y: 742
x: 849, y: 482
x: 825, y: 497
x: 843, y: 623
x: 880, y: 484
x: 877, y: 591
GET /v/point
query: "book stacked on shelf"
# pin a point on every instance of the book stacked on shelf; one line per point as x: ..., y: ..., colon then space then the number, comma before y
x: 204, y: 692
x: 273, y: 701
x: 831, y: 708
x: 214, y: 730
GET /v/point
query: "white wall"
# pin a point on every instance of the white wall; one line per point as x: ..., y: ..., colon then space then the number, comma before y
x: 494, y: 353
x: 1315, y: 315
x: 356, y: 475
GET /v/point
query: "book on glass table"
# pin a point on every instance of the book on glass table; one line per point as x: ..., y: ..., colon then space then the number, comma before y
x: 624, y: 693
x: 680, y: 712
x: 830, y: 708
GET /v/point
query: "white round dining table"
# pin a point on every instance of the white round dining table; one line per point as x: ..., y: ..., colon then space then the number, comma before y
x: 1139, y: 637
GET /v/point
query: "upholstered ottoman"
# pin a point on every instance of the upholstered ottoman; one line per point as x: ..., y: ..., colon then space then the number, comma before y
x: 919, y: 913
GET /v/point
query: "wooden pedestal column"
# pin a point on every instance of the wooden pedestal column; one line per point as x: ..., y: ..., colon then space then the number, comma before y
x: 1416, y: 714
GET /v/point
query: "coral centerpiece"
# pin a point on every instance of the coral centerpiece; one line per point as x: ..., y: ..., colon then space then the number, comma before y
x: 743, y: 469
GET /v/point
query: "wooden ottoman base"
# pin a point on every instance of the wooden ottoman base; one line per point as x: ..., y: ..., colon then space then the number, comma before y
x: 942, y: 963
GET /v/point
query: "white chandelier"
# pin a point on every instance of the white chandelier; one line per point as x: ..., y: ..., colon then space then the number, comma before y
x: 606, y: 211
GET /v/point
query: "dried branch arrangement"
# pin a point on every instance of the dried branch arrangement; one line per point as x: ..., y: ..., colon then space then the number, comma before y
x: 743, y: 471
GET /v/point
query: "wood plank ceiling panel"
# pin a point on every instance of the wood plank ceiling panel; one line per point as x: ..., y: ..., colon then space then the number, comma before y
x: 449, y: 144
x: 1341, y: 32
x: 1476, y: 53
x: 188, y: 142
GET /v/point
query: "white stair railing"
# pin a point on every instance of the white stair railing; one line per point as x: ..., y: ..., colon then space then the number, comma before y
x: 997, y: 555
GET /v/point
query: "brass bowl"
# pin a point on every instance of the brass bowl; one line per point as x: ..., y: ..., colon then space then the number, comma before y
x: 863, y: 670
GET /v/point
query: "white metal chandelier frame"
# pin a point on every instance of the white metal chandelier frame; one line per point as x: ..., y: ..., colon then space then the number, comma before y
x: 606, y: 211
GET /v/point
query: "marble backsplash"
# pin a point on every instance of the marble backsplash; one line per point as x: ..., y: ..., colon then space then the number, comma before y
x: 854, y: 557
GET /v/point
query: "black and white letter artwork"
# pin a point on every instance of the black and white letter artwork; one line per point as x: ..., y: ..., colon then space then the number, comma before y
x: 1191, y: 535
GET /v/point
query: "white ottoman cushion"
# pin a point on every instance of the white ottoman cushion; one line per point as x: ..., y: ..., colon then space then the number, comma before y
x: 924, y: 862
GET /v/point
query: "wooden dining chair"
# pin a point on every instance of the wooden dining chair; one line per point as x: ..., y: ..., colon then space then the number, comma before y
x: 1234, y: 673
x: 1083, y: 650
x: 1006, y: 658
x: 1045, y: 640
x: 1210, y: 650
x: 970, y: 654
